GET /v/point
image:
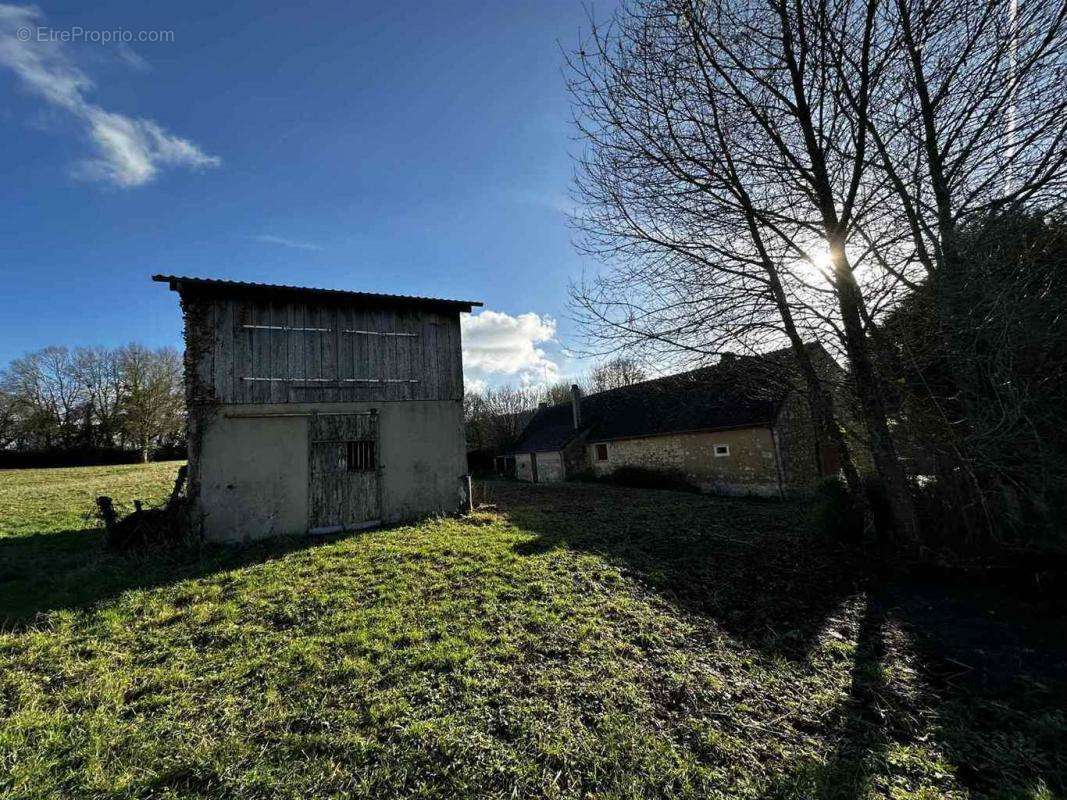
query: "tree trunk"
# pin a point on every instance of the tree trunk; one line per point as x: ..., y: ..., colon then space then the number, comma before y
x: 820, y: 403
x: 903, y: 519
x: 825, y: 420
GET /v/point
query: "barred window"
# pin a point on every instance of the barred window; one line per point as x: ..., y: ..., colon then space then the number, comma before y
x: 360, y: 456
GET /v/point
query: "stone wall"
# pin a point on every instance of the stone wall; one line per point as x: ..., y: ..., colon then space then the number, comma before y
x: 750, y: 466
x: 796, y: 443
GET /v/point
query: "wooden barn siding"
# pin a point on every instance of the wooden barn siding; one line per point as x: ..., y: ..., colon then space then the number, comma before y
x: 322, y: 364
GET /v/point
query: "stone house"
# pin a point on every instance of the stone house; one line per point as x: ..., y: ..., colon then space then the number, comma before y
x: 742, y: 426
x: 317, y: 410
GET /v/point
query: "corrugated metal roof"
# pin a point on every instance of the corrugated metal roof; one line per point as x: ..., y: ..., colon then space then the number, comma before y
x: 219, y: 286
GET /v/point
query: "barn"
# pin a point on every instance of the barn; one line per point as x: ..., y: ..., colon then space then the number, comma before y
x: 318, y: 410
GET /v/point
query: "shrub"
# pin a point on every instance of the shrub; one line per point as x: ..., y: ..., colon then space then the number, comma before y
x: 834, y: 511
x: 584, y: 475
x: 649, y: 478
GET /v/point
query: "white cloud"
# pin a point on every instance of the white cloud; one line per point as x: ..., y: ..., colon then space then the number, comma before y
x: 132, y: 58
x: 476, y: 385
x: 129, y: 151
x: 267, y: 238
x: 500, y: 346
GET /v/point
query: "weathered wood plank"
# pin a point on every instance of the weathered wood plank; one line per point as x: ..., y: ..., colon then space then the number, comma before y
x: 429, y: 358
x: 246, y: 316
x: 455, y: 349
x: 295, y: 343
x: 298, y: 352
x: 344, y: 344
x: 222, y: 362
x: 260, y: 387
x: 330, y: 341
x: 279, y: 352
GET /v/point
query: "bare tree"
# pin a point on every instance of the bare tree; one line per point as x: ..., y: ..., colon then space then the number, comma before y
x: 46, y: 396
x: 152, y: 395
x: 474, y: 420
x: 554, y: 393
x: 9, y: 427
x: 98, y: 371
x: 496, y: 416
x: 973, y: 117
x: 726, y: 182
x: 59, y: 399
x: 615, y: 373
x: 790, y: 169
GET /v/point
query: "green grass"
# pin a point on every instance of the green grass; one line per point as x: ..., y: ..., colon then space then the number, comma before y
x: 51, y: 500
x: 570, y: 642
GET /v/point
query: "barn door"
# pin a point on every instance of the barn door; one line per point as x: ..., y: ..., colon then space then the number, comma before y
x: 344, y: 487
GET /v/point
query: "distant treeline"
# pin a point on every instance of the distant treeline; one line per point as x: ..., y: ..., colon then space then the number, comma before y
x: 495, y: 416
x: 92, y: 405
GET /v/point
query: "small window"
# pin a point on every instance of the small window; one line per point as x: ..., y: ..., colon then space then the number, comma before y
x: 722, y: 450
x: 601, y: 452
x: 360, y: 456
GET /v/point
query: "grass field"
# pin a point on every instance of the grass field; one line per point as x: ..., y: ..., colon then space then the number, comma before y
x: 571, y: 641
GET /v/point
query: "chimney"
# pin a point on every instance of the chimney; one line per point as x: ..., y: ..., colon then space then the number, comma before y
x: 576, y: 405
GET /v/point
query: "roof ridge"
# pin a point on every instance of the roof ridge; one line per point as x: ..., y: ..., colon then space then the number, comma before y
x: 648, y: 381
x: 221, y: 283
x: 786, y: 351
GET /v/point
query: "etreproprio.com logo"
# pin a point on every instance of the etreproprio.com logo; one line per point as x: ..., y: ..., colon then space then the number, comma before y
x: 91, y: 35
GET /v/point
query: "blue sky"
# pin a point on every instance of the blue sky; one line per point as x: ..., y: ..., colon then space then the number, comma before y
x: 415, y: 148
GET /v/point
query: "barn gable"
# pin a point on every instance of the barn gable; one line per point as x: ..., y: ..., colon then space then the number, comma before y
x: 318, y: 409
x: 256, y: 343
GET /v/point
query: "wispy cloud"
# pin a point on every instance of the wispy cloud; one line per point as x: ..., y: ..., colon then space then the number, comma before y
x: 129, y: 151
x: 132, y: 58
x: 267, y: 238
x: 498, y: 345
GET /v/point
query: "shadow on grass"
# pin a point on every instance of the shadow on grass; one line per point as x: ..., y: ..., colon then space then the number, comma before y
x: 994, y: 672
x: 866, y: 723
x: 747, y: 564
x: 990, y: 674
x: 73, y: 569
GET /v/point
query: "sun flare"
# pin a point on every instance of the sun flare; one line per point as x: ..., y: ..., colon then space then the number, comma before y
x: 820, y: 259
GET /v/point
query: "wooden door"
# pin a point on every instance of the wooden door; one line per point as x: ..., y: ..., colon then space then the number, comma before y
x: 344, y: 475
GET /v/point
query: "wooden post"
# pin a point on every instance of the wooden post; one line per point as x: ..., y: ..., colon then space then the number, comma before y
x: 469, y: 487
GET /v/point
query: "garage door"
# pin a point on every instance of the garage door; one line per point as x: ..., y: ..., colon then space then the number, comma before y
x: 549, y: 467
